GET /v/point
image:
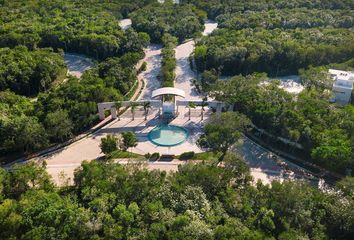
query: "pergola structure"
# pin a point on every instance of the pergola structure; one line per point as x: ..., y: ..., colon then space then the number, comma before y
x: 168, y: 99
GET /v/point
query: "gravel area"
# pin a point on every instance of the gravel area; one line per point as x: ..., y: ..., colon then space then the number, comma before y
x: 77, y: 64
x: 125, y: 23
x: 290, y: 83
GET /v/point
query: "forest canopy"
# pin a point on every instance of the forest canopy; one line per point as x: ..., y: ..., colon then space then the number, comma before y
x: 277, y: 52
x: 181, y: 21
x: 33, y: 36
x: 287, y: 19
x: 69, y: 25
x: 215, y: 8
x: 29, y: 72
x: 200, y: 202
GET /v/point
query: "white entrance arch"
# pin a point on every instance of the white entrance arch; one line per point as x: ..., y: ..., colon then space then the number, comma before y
x: 168, y: 100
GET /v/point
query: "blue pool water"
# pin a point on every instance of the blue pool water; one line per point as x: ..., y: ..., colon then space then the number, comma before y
x: 168, y: 135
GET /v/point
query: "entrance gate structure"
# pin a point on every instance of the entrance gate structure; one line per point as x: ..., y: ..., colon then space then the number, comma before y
x: 167, y: 103
x: 168, y: 100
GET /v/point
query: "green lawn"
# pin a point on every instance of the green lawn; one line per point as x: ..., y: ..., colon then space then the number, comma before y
x: 123, y: 154
x: 207, y: 156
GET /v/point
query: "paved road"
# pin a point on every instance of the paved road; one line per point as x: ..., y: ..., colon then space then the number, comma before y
x: 184, y: 73
x: 260, y: 160
x: 150, y: 76
x: 262, y: 165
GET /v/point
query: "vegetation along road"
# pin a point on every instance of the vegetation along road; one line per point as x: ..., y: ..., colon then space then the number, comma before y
x: 209, y: 191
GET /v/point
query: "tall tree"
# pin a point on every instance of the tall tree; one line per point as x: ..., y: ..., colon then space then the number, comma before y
x: 23, y: 134
x: 224, y: 130
x: 133, y: 106
x: 129, y: 140
x: 108, y: 144
x: 118, y: 106
x: 334, y: 150
x: 147, y: 106
x: 58, y: 125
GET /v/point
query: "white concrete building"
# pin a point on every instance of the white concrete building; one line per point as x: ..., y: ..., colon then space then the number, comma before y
x: 343, y: 85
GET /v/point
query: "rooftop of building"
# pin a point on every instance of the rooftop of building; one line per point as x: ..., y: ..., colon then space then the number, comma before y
x: 342, y: 75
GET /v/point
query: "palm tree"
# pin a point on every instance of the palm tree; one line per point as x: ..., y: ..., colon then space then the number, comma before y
x: 118, y: 106
x: 294, y: 137
x: 133, y: 106
x: 204, y: 104
x: 147, y: 106
x: 190, y: 106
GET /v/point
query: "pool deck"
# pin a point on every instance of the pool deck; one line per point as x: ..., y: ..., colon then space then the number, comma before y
x: 142, y: 128
x: 88, y: 147
x: 262, y: 166
x: 66, y: 160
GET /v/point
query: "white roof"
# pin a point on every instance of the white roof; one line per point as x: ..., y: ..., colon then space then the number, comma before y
x: 168, y: 91
x: 342, y: 75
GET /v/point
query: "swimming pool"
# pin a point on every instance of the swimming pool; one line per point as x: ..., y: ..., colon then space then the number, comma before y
x: 168, y: 135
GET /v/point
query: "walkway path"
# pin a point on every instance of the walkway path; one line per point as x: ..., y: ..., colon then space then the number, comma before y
x: 260, y: 160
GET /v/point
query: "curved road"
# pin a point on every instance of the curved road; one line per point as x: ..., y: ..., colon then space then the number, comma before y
x: 262, y: 165
x: 65, y: 160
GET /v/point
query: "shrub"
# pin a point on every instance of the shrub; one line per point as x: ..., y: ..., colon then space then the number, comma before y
x: 169, y: 61
x: 108, y: 144
x: 155, y: 156
x: 187, y: 155
x: 119, y: 154
x: 143, y: 67
x: 147, y: 156
x: 129, y: 140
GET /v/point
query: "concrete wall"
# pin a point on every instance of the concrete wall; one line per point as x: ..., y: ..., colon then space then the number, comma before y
x: 214, y: 104
x: 342, y: 94
x: 154, y: 103
x: 111, y: 105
